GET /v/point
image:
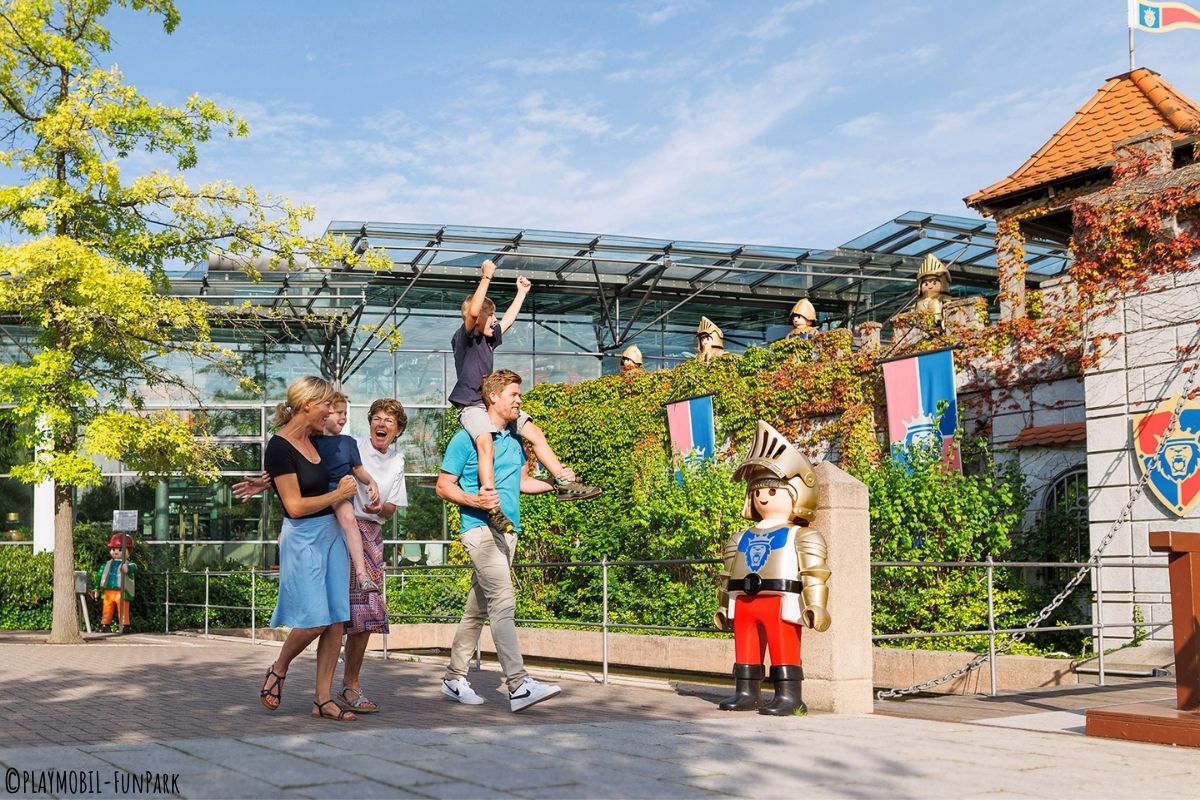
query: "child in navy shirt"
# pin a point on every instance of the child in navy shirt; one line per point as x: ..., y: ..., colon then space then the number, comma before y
x: 340, y: 456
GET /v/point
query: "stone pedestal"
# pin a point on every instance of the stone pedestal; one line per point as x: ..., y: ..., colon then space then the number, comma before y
x: 838, y: 663
x: 1158, y: 722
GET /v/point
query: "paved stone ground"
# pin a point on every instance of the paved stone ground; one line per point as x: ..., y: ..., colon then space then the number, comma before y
x: 188, y: 708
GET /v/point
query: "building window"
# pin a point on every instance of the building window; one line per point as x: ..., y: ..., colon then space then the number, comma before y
x: 1065, y: 517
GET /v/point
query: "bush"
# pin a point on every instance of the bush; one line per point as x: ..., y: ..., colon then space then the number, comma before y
x: 921, y: 510
x: 26, y: 582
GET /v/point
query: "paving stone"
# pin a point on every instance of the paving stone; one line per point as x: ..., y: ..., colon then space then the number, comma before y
x: 458, y: 791
x: 381, y: 770
x: 287, y: 771
x: 357, y: 787
x: 221, y: 783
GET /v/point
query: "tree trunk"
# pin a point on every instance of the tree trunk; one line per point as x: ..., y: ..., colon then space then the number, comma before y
x: 65, y: 627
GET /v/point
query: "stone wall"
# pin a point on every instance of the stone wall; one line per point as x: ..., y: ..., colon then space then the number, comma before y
x: 1138, y: 370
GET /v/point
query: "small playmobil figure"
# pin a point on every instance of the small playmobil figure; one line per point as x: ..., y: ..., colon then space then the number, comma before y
x: 631, y: 360
x: 803, y: 319
x: 774, y: 576
x: 116, y: 571
x: 933, y: 281
x: 710, y: 341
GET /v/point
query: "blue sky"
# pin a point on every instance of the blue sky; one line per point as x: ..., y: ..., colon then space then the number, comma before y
x: 801, y: 123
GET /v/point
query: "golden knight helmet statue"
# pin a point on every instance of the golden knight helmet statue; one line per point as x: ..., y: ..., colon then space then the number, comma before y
x: 802, y: 318
x: 774, y: 463
x: 631, y: 358
x: 932, y: 269
x: 712, y: 346
x: 804, y: 308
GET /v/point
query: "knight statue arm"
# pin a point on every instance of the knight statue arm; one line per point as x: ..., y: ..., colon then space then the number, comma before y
x: 812, y: 553
x: 721, y: 618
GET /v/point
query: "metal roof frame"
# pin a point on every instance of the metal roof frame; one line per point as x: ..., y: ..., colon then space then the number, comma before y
x: 871, y: 277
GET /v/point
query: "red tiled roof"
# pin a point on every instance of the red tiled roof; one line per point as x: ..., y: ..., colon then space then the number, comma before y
x: 1044, y: 435
x: 1128, y: 105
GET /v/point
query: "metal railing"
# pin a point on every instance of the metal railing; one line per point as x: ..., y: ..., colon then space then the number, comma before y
x: 1097, y: 626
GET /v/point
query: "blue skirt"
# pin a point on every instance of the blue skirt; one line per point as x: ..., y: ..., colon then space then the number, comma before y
x: 314, y: 574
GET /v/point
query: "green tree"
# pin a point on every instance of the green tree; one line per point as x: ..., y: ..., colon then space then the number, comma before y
x: 85, y: 271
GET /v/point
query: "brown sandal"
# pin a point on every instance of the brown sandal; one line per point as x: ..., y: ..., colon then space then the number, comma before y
x: 272, y: 690
x: 343, y: 715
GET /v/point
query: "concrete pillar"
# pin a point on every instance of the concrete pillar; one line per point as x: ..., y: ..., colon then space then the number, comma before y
x: 868, y: 335
x: 1011, y: 273
x: 43, y: 517
x: 965, y: 313
x: 161, y: 519
x: 838, y: 663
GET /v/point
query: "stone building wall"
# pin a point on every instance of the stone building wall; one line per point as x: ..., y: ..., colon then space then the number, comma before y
x: 1140, y: 369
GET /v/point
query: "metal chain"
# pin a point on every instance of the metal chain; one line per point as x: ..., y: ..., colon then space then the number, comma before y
x: 1080, y: 574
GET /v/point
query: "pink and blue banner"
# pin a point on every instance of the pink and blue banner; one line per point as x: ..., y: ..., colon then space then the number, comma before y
x: 916, y: 389
x: 1162, y: 17
x: 690, y: 426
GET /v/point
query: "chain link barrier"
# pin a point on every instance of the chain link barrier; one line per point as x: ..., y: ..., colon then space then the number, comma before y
x: 1093, y: 560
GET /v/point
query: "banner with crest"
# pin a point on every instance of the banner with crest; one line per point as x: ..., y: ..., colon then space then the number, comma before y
x: 917, y: 389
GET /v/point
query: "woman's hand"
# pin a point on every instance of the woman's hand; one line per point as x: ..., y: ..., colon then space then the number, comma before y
x: 244, y: 490
x: 347, y: 487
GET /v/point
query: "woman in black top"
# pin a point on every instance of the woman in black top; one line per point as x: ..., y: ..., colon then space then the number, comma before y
x: 314, y: 567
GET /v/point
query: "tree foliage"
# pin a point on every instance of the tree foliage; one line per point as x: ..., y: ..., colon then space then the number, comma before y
x: 85, y: 269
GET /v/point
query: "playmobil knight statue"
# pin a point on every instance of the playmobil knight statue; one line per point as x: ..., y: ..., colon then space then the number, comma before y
x: 803, y: 319
x: 631, y: 360
x: 710, y: 342
x: 775, y: 573
x: 933, y: 281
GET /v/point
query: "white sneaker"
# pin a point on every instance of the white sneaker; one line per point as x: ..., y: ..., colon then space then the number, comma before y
x: 461, y: 691
x: 531, y: 692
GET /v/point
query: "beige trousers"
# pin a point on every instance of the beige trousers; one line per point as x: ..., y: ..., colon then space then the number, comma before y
x: 492, y: 598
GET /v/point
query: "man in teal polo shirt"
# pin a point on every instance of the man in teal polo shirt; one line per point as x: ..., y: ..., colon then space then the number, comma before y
x: 491, y: 596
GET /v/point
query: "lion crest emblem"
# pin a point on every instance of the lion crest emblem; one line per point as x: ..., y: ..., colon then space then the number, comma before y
x: 1172, y: 467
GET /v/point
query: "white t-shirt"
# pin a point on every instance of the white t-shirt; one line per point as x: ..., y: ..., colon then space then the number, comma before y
x: 388, y: 471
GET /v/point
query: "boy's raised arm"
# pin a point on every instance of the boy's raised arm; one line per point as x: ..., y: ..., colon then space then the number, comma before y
x: 475, y: 304
x: 510, y: 316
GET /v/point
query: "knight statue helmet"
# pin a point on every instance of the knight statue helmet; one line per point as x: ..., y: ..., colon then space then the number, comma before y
x: 803, y: 309
x: 931, y: 267
x: 773, y: 463
x: 633, y: 354
x: 708, y: 327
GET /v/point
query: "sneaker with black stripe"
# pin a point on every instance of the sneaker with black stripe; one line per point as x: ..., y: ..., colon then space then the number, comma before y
x: 458, y: 689
x: 530, y: 693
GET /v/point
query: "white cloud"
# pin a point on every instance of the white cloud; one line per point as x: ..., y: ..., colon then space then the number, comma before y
x: 568, y: 119
x: 775, y: 23
x: 867, y: 125
x: 656, y: 13
x: 552, y: 65
x: 275, y: 118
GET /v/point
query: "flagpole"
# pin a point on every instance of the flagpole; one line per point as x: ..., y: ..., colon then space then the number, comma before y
x: 1131, y: 22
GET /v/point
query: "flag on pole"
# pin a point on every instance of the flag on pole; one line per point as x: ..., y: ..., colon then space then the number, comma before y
x: 915, y: 388
x: 1162, y: 17
x: 690, y: 426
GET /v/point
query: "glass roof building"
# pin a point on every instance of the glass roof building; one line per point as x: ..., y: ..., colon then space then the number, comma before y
x: 593, y: 295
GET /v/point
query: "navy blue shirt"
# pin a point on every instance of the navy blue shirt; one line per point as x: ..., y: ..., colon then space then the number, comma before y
x: 339, y: 454
x: 474, y: 357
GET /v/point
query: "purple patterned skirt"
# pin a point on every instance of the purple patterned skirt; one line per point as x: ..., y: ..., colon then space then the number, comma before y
x: 368, y: 614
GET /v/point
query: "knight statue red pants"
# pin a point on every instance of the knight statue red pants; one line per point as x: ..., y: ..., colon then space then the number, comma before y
x: 758, y: 625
